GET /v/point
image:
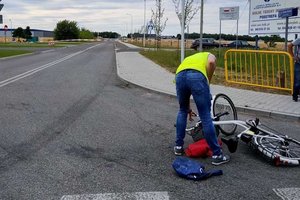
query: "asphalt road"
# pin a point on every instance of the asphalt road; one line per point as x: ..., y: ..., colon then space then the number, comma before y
x: 70, y: 126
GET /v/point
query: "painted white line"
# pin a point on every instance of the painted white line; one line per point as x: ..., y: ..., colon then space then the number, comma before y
x: 47, y: 51
x: 120, y: 196
x: 35, y: 70
x: 288, y: 193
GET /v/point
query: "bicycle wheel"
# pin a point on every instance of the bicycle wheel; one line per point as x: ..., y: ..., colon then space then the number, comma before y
x: 283, y: 150
x: 224, y: 109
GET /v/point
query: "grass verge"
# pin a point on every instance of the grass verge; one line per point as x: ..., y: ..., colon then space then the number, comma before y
x: 170, y: 60
x: 8, y: 53
x: 16, y: 48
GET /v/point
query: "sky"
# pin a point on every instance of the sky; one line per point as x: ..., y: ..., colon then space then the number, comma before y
x: 120, y: 16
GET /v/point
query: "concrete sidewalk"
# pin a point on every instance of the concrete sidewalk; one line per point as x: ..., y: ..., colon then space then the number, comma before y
x: 135, y: 68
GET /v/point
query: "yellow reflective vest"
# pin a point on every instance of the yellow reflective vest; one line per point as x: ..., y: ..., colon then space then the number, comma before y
x: 197, y: 62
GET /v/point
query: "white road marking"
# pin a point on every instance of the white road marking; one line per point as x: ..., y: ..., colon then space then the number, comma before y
x: 47, y: 51
x: 288, y: 193
x: 33, y: 71
x: 120, y: 196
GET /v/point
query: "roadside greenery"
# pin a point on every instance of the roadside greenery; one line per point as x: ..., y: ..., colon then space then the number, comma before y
x: 18, y: 48
x: 86, y: 34
x: 66, y: 30
x: 8, y: 53
x: 107, y: 34
x: 170, y: 60
x: 216, y: 36
x: 37, y: 45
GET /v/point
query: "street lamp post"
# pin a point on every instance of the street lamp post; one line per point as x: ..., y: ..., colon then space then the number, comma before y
x: 131, y: 23
x: 182, y: 29
x: 201, y: 25
x: 144, y: 38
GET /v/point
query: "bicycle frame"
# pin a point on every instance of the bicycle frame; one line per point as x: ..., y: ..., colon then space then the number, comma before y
x: 247, y: 129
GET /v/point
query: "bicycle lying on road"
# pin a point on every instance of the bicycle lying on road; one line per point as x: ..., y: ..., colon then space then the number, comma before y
x: 280, y: 148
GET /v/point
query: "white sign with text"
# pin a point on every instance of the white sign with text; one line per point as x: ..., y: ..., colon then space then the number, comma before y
x: 229, y: 13
x: 263, y: 17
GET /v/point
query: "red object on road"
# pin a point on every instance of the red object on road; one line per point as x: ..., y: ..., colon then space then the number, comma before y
x: 199, y: 149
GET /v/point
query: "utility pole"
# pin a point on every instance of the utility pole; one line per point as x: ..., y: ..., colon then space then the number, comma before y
x: 144, y: 39
x: 201, y: 26
x: 131, y: 24
x: 182, y: 29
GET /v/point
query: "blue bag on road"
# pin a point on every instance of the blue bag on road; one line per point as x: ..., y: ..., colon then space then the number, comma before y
x: 193, y: 170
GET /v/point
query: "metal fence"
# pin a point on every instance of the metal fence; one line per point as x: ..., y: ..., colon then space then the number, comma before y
x: 268, y: 69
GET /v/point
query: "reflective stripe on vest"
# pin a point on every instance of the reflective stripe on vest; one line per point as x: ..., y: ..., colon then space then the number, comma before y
x: 197, y: 62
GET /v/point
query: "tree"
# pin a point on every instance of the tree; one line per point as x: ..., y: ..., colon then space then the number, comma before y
x: 27, y: 33
x: 95, y: 34
x: 159, y: 24
x: 189, y: 9
x: 66, y: 30
x: 109, y: 35
x: 86, y: 34
x: 19, y: 33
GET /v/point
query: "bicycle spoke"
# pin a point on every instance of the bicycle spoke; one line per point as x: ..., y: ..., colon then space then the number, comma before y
x: 282, y: 149
x: 224, y: 110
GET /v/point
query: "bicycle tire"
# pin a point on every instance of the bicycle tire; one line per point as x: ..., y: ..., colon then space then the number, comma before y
x: 221, y: 104
x: 281, y: 149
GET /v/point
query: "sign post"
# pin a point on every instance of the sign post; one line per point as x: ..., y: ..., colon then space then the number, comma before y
x: 229, y: 13
x: 286, y: 13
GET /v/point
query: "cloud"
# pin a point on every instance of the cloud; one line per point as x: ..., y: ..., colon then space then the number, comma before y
x: 115, y: 15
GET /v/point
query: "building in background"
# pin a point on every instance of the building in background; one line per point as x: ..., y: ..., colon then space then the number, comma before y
x: 40, y: 35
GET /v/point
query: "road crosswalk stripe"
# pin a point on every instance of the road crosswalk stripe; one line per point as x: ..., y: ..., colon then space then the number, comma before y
x: 288, y: 193
x: 120, y: 196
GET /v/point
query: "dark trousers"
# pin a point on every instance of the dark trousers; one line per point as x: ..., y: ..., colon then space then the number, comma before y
x: 296, y: 90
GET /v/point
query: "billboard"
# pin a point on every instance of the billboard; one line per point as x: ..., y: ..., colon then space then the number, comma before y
x: 229, y: 13
x: 263, y: 17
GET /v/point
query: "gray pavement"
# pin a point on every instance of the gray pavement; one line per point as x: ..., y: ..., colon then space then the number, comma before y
x: 136, y: 69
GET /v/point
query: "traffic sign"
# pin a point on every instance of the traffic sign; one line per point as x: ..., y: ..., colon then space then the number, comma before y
x: 288, y: 12
x: 1, y: 6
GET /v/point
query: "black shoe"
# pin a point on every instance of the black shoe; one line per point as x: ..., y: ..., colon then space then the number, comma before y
x: 178, y: 150
x: 295, y: 98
